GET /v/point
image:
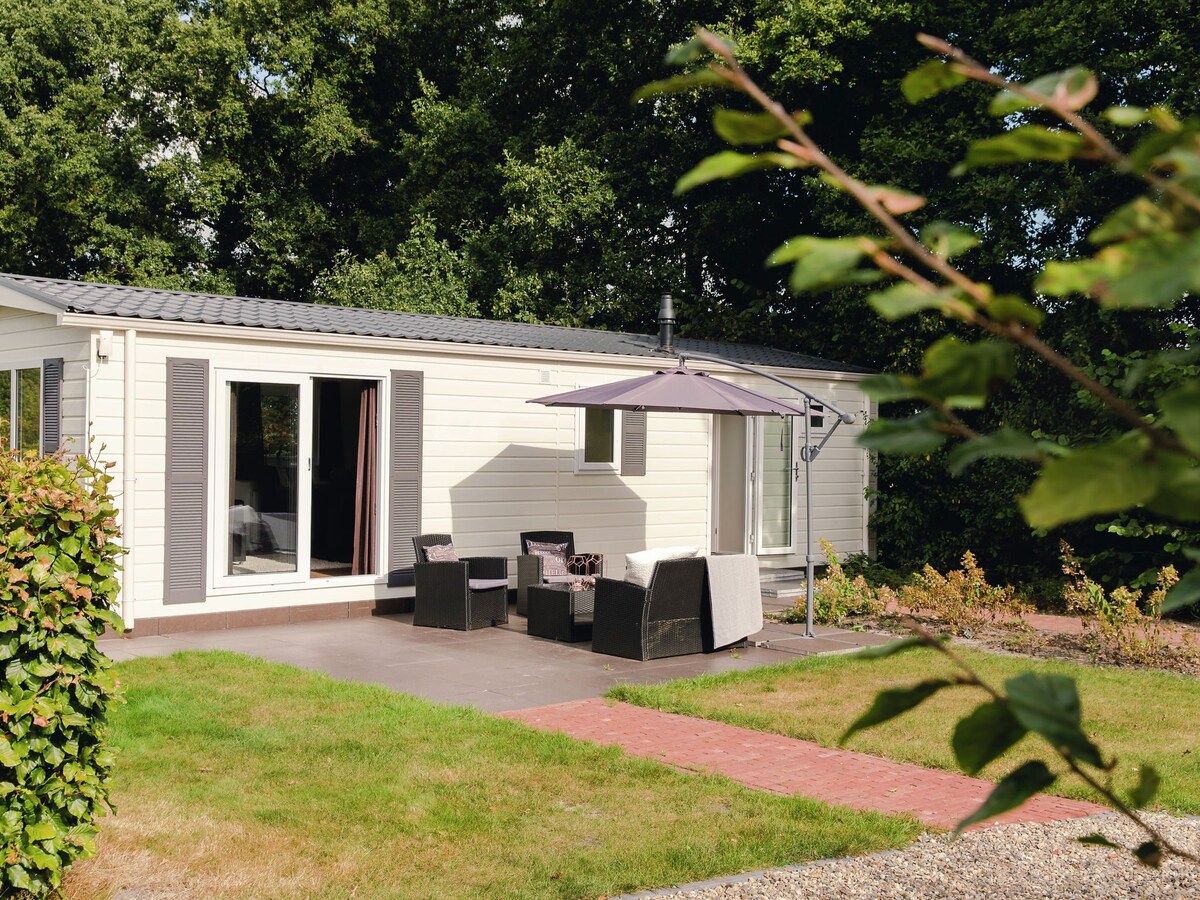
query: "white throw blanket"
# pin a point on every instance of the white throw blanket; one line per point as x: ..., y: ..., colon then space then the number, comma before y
x: 736, y: 597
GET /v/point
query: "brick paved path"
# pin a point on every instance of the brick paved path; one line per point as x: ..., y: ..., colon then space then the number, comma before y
x: 785, y: 765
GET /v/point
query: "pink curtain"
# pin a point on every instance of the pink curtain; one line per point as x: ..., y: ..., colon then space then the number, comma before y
x: 366, y: 482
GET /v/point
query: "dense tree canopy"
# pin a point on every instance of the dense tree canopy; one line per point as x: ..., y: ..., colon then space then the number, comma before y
x: 485, y: 159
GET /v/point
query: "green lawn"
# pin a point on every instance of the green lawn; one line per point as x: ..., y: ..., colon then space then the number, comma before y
x: 238, y: 777
x: 1140, y: 716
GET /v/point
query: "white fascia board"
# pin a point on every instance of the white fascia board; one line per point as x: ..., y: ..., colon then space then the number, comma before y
x: 17, y: 297
x: 442, y: 348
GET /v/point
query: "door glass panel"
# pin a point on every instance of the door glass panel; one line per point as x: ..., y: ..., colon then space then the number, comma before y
x: 775, y: 483
x: 264, y: 456
x: 29, y: 409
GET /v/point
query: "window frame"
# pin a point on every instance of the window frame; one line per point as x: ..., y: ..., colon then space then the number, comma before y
x: 596, y: 468
x: 14, y: 411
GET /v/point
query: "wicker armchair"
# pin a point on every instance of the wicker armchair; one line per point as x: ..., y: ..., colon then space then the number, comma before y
x: 464, y: 595
x: 663, y: 619
x: 530, y: 566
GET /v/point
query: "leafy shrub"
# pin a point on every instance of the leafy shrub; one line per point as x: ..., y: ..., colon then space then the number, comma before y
x: 837, y: 596
x: 962, y: 598
x: 58, y: 565
x: 1121, y: 625
x: 876, y: 573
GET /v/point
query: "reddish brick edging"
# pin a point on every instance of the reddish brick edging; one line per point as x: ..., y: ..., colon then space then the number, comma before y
x: 784, y: 765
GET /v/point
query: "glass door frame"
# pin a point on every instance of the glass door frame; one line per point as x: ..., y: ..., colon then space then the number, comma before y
x: 755, y: 450
x: 223, y: 469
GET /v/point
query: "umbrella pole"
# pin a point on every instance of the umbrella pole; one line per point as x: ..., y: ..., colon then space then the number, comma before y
x: 808, y: 522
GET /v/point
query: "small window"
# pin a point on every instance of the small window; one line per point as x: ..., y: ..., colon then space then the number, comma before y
x: 21, y: 408
x: 816, y: 415
x: 598, y: 445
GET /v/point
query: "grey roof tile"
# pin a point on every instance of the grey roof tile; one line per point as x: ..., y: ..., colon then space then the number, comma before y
x: 213, y: 309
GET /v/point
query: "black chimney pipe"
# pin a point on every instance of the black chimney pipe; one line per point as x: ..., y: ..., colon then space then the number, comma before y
x: 666, y: 324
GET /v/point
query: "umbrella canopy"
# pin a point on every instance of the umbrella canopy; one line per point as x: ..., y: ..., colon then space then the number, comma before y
x: 678, y: 390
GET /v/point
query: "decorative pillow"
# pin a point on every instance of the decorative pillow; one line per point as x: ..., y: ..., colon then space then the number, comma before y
x: 440, y: 553
x: 554, y: 557
x: 639, y: 567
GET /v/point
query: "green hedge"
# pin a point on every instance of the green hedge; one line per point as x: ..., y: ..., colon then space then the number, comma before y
x: 58, y: 565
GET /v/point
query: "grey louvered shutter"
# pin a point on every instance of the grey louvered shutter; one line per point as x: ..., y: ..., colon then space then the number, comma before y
x: 52, y: 377
x: 633, y: 442
x: 404, y: 474
x: 187, y: 480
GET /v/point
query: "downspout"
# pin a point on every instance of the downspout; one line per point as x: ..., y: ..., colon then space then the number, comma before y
x: 129, y: 465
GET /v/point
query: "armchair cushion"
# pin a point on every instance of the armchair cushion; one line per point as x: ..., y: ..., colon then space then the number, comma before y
x: 639, y: 567
x: 554, y: 557
x: 440, y: 553
x: 486, y: 584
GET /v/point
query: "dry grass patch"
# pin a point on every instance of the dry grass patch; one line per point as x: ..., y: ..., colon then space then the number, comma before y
x: 1140, y: 716
x: 242, y: 778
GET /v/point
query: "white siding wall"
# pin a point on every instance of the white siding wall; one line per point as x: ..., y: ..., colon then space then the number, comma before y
x: 493, y: 464
x: 26, y: 338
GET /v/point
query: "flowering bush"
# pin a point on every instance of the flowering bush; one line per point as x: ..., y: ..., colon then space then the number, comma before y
x: 962, y: 598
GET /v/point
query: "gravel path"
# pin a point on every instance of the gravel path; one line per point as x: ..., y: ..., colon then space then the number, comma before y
x: 1013, y: 862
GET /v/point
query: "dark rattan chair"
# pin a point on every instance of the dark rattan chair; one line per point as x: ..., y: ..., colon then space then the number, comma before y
x: 530, y: 566
x: 663, y: 619
x: 464, y: 595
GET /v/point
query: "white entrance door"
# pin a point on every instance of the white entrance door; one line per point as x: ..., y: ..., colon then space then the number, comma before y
x: 773, y: 483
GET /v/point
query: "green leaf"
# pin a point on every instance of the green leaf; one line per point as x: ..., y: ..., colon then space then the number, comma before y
x: 914, y: 436
x: 822, y: 262
x: 962, y: 374
x: 747, y: 128
x: 1146, y: 788
x: 887, y: 388
x: 730, y: 164
x: 1005, y: 444
x: 1101, y: 479
x: 1049, y: 705
x: 680, y: 84
x: 1013, y: 790
x: 1149, y: 854
x: 984, y: 735
x: 1029, y: 142
x: 1181, y: 413
x: 41, y: 831
x: 18, y: 877
x: 905, y: 298
x: 1185, y: 592
x: 1098, y: 839
x: 1127, y: 116
x: 1151, y: 271
x: 1072, y: 89
x: 1178, y: 493
x: 1010, y: 308
x: 894, y: 702
x: 948, y: 240
x: 891, y: 649
x: 930, y: 79
x: 1141, y: 217
x: 689, y: 51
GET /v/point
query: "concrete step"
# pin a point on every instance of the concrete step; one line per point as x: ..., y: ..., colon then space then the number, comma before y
x: 784, y: 589
x: 778, y: 573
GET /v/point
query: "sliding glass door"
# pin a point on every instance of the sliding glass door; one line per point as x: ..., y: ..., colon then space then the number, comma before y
x: 298, y: 478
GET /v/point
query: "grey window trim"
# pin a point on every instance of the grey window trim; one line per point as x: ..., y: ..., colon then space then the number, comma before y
x: 405, y: 407
x: 186, y: 553
x: 52, y: 380
x: 633, y: 442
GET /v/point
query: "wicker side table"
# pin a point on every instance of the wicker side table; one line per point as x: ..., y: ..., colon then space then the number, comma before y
x: 560, y: 614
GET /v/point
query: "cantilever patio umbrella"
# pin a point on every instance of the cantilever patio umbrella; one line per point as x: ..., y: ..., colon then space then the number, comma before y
x: 676, y: 390
x: 684, y: 390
